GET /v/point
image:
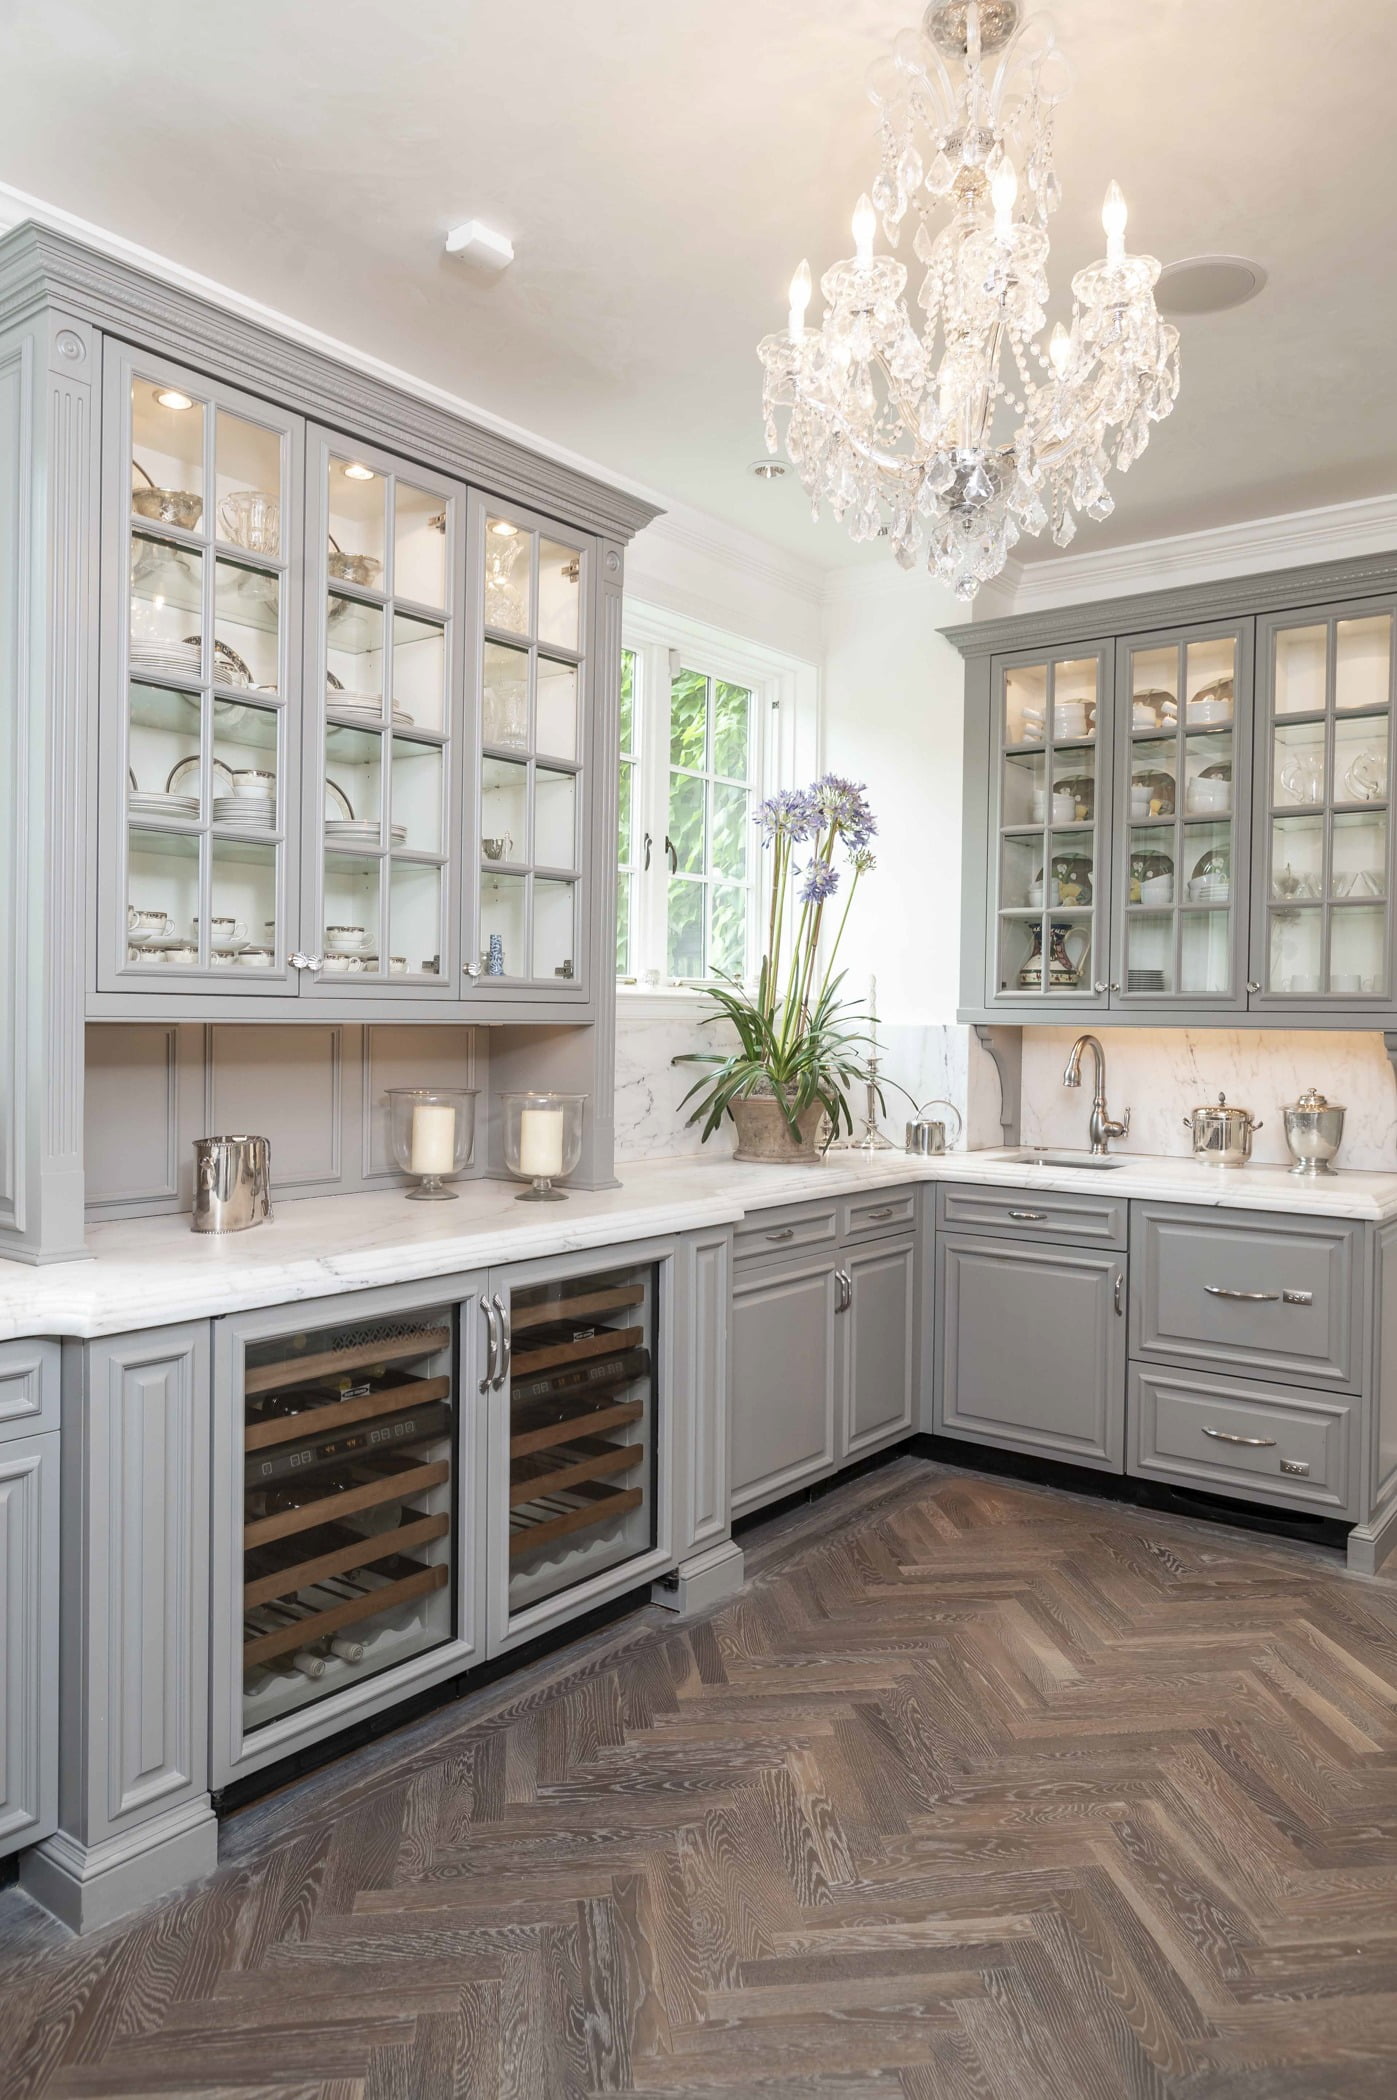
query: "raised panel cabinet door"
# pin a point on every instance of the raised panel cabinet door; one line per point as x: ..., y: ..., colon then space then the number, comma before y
x: 1033, y: 1349
x: 701, y: 1464
x: 28, y: 1640
x: 785, y: 1380
x: 879, y: 1345
x: 143, y: 1457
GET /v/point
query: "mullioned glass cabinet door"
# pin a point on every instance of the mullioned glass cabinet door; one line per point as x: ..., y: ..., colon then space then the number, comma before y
x: 383, y: 852
x: 1182, y: 836
x: 1322, y: 936
x: 199, y: 733
x: 529, y: 798
x: 1051, y: 831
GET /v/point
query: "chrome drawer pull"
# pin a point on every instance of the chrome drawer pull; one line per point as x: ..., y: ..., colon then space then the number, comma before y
x: 787, y: 1232
x: 1215, y: 1290
x: 885, y: 1212
x: 1030, y: 1217
x: 1225, y: 1436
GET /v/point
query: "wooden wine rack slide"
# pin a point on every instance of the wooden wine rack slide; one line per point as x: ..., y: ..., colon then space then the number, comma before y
x: 585, y: 1305
x: 536, y: 1522
x: 587, y: 1422
x: 318, y: 1626
x: 584, y: 1458
x: 275, y: 1570
x: 338, y: 1414
x: 309, y: 1370
x: 606, y: 1341
x: 392, y: 1483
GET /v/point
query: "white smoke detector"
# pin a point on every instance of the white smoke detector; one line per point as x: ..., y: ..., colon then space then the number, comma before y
x: 481, y: 244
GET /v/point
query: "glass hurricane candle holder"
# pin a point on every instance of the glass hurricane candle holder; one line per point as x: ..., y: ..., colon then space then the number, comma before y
x: 433, y: 1131
x: 542, y: 1141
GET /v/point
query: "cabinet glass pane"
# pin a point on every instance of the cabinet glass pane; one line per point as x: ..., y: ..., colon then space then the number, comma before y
x: 245, y: 766
x: 1068, y: 876
x: 1022, y: 858
x: 1298, y: 764
x: 353, y: 655
x: 162, y: 899
x: 1025, y: 704
x: 555, y: 710
x: 559, y: 594
x: 1208, y: 775
x: 351, y: 912
x: 419, y: 545
x: 1357, y: 949
x: 1205, y: 957
x: 414, y: 918
x: 503, y: 922
x: 1153, y: 878
x: 163, y: 745
x: 1149, y: 952
x: 1301, y: 654
x: 504, y: 810
x: 1047, y: 955
x: 418, y: 792
x: 247, y: 471
x: 1207, y: 861
x: 506, y: 696
x: 1297, y: 857
x: 1359, y: 856
x: 353, y: 787
x: 685, y: 824
x: 1360, y: 759
x: 243, y: 892
x: 1026, y: 791
x: 358, y: 540
x: 1154, y: 689
x: 508, y: 581
x: 554, y: 934
x: 246, y: 624
x: 167, y: 455
x: 167, y: 598
x: 1074, y: 787
x: 1363, y: 662
x: 1074, y: 700
x: 1154, y: 773
x: 1296, y: 952
x: 555, y: 819
x: 1210, y: 683
x: 419, y: 672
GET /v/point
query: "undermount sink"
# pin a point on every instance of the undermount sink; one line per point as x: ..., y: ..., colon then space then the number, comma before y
x: 1091, y: 1160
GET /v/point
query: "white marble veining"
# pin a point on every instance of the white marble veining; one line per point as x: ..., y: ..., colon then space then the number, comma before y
x: 146, y: 1272
x: 1162, y: 1073
x: 650, y: 1122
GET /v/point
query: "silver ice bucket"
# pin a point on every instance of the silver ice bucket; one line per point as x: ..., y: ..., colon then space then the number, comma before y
x: 232, y: 1183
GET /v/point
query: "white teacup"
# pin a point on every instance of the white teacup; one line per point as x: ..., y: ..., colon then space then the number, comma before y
x: 344, y: 940
x: 184, y: 957
x: 339, y: 963
x: 1306, y: 983
x: 255, y: 959
x: 1346, y: 984
x: 254, y: 786
x: 226, y: 929
x: 139, y: 920
x: 1064, y: 809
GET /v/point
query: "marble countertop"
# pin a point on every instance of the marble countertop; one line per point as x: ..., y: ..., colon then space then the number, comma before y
x: 148, y: 1272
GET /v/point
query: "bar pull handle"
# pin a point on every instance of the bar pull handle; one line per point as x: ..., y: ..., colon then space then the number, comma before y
x: 1030, y: 1217
x: 1217, y: 1290
x: 846, y: 1290
x: 492, y: 1346
x: 506, y: 1341
x: 1120, y: 1290
x: 1225, y: 1436
x: 885, y: 1212
x: 787, y: 1232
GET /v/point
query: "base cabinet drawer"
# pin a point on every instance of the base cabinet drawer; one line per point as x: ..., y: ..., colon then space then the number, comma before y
x: 785, y: 1372
x: 1262, y: 1443
x: 1032, y: 1353
x: 790, y: 1228
x: 1270, y: 1296
x: 1030, y: 1213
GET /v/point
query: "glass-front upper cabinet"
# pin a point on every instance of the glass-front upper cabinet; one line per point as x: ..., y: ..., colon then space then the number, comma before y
x: 531, y: 581
x: 1180, y: 924
x: 383, y: 740
x: 1321, y: 924
x: 1051, y: 835
x: 199, y: 734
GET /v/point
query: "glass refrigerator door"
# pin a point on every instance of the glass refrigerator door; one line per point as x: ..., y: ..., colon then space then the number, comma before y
x: 581, y: 1429
x: 349, y: 1506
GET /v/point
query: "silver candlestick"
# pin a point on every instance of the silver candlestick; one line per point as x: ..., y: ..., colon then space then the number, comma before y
x: 872, y: 1139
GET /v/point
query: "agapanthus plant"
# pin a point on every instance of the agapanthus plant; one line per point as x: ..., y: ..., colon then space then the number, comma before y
x: 796, y: 1039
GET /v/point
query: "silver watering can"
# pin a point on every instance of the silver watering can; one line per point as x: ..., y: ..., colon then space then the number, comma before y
x: 926, y: 1137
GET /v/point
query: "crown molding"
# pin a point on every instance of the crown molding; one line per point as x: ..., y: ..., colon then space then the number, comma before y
x: 119, y: 286
x: 756, y: 560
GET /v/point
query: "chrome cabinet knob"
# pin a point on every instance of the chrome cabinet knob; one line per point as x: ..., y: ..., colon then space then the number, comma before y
x: 473, y: 969
x: 306, y: 962
x: 1252, y: 985
x: 1101, y: 985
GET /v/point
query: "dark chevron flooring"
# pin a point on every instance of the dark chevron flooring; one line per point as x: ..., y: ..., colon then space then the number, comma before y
x: 979, y: 1792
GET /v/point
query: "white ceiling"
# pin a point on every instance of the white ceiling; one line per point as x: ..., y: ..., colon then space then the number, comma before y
x: 661, y: 167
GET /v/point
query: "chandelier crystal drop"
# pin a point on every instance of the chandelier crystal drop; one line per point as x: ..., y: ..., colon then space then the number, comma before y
x: 956, y: 434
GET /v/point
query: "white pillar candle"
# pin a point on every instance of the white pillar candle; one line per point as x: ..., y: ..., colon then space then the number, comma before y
x: 541, y: 1142
x: 433, y: 1138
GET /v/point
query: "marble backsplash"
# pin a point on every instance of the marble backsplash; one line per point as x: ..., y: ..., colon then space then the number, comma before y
x: 1160, y: 1074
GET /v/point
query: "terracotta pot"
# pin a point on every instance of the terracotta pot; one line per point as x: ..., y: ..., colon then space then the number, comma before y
x: 764, y: 1135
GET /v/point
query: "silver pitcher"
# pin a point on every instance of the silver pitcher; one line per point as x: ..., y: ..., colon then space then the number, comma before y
x: 926, y: 1138
x: 232, y: 1183
x: 1314, y: 1130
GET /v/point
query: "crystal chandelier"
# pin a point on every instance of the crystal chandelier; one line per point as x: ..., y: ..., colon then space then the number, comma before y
x: 959, y: 434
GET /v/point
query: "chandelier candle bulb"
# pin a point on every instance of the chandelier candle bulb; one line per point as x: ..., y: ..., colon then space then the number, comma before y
x: 1060, y: 350
x: 1113, y: 218
x: 865, y: 227
x: 800, y: 299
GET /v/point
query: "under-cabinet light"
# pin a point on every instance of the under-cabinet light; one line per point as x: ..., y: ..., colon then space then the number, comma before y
x: 357, y: 471
x: 171, y: 397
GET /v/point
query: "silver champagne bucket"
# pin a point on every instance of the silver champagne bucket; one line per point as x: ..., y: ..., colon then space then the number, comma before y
x: 232, y: 1183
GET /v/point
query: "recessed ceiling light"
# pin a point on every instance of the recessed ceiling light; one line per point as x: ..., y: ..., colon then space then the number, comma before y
x: 767, y: 469
x: 357, y: 471
x: 1207, y: 284
x: 482, y: 244
x: 171, y: 397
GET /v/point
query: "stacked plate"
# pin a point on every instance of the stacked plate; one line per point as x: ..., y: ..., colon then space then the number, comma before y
x: 164, y: 659
x: 360, y: 831
x: 1209, y: 889
x: 366, y: 706
x: 141, y: 803
x: 245, y: 812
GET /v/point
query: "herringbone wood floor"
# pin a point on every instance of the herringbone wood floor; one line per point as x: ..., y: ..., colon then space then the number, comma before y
x: 979, y: 1792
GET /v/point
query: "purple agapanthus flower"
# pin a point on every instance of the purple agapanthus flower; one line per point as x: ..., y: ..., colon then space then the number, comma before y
x: 817, y: 882
x: 843, y: 802
x: 790, y: 813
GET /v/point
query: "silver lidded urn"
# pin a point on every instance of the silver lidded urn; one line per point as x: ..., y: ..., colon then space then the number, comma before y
x: 1314, y: 1131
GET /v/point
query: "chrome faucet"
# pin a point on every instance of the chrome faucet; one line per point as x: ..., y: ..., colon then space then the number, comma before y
x: 1101, y: 1127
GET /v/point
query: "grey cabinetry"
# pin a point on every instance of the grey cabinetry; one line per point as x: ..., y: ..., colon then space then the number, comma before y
x: 1031, y: 1352
x: 785, y: 1377
x: 29, y: 1447
x: 880, y: 1353
x: 134, y: 1812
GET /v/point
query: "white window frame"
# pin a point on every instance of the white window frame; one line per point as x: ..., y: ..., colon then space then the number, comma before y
x: 786, y: 737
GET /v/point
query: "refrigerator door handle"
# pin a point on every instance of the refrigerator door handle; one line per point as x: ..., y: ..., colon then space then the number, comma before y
x: 492, y: 1345
x: 506, y: 1341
